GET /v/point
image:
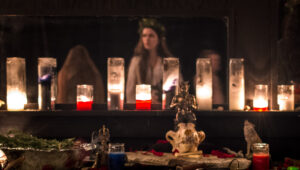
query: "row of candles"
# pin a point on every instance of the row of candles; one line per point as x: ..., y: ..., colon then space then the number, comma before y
x: 16, y: 86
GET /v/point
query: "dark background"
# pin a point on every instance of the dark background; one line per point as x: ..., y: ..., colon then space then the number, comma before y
x: 32, y: 37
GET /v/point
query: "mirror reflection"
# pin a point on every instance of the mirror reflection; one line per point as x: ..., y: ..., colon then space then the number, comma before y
x: 82, y: 45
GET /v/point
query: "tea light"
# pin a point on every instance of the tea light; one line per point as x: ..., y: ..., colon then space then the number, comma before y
x: 16, y: 83
x: 260, y: 101
x: 115, y: 83
x: 285, y: 97
x: 204, y: 83
x: 84, y: 97
x: 143, y: 97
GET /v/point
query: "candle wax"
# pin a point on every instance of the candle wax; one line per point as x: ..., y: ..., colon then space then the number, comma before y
x: 143, y: 105
x: 86, y: 105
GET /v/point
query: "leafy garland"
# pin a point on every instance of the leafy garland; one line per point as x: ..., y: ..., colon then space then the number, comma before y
x: 16, y: 139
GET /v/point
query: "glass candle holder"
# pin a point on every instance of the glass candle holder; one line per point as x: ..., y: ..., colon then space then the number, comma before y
x: 115, y: 83
x: 204, y: 84
x: 143, y: 97
x: 47, y: 77
x: 260, y: 101
x: 236, y: 84
x: 285, y: 97
x: 16, y: 83
x: 170, y: 80
x: 84, y: 97
x: 261, y: 156
x: 116, y: 155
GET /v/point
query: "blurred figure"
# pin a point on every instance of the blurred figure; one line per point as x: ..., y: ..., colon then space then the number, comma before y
x: 78, y: 68
x: 218, y: 83
x: 146, y: 66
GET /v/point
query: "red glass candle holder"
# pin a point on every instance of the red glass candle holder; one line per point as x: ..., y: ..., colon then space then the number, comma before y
x: 84, y: 97
x: 143, y: 97
x: 261, y: 156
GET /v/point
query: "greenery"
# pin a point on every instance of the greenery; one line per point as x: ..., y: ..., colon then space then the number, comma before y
x: 16, y: 139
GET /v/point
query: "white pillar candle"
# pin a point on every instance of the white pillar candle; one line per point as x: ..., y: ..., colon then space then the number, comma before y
x: 16, y: 83
x: 204, y: 84
x: 236, y: 84
x: 115, y: 83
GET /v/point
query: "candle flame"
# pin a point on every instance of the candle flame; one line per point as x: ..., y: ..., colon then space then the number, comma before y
x: 16, y: 100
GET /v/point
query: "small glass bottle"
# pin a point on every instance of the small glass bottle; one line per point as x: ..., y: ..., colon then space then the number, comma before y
x: 117, y: 156
x: 261, y: 156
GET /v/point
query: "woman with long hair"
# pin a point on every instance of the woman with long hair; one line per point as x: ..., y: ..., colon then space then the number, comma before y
x: 146, y: 66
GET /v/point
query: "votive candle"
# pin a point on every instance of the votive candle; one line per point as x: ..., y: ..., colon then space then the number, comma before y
x: 143, y: 97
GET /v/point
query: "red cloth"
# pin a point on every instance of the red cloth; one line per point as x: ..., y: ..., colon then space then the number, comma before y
x: 161, y: 141
x: 220, y: 154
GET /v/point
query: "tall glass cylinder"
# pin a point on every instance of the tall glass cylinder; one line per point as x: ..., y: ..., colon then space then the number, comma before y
x: 260, y: 100
x: 204, y: 83
x: 16, y: 83
x: 236, y: 84
x: 285, y: 97
x: 170, y: 80
x: 47, y: 77
x: 115, y: 83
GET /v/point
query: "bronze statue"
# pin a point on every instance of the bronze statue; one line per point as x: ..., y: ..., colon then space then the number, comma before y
x: 184, y: 103
x: 185, y: 138
x: 101, y: 160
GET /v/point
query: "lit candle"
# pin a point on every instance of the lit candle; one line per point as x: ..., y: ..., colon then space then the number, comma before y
x: 16, y: 100
x: 115, y: 83
x: 84, y: 97
x: 115, y: 98
x: 236, y: 84
x: 47, y: 66
x: 260, y: 101
x: 261, y: 156
x: 204, y: 83
x: 170, y: 80
x: 204, y: 97
x: 143, y: 97
x: 285, y: 98
x: 16, y: 83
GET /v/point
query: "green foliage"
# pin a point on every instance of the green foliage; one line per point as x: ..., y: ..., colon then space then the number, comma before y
x: 16, y: 139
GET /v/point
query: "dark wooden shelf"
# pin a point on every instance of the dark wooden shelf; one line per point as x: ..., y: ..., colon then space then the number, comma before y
x: 142, y: 128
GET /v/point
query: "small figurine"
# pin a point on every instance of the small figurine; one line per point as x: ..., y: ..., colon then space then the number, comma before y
x: 185, y: 138
x: 251, y: 136
x: 101, y: 160
x: 185, y: 103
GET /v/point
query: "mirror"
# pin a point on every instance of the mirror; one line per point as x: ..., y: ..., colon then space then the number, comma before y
x: 107, y: 36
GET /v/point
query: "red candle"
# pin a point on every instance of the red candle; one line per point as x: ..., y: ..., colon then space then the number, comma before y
x: 260, y: 109
x: 84, y: 105
x: 260, y: 161
x: 143, y: 105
